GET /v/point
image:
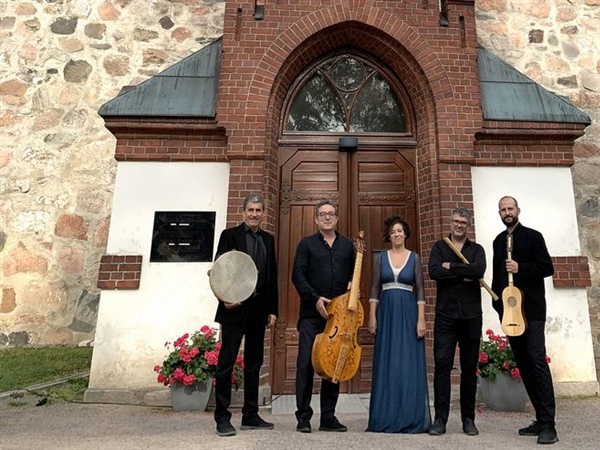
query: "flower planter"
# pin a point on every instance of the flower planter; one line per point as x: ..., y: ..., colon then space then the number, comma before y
x: 191, y: 398
x: 504, y: 393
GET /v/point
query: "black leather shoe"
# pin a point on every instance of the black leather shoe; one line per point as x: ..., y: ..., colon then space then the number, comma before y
x: 303, y: 426
x: 531, y: 430
x: 438, y: 428
x: 547, y: 434
x: 469, y: 428
x: 225, y: 429
x: 333, y: 425
x: 256, y: 423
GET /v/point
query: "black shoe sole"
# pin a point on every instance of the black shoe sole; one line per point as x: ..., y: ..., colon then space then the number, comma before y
x: 333, y: 430
x: 304, y: 430
x: 548, y: 442
x: 529, y: 434
x: 225, y: 433
x: 436, y: 433
x: 252, y: 427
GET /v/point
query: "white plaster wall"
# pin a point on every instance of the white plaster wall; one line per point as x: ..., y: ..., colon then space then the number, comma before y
x: 547, y: 203
x: 173, y: 298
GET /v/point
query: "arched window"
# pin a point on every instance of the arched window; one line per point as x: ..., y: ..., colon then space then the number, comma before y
x: 348, y: 95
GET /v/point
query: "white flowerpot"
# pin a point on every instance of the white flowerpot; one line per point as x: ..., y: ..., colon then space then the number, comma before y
x: 504, y: 393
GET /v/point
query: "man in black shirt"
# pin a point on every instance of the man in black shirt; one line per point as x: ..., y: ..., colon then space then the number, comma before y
x: 323, y: 269
x: 530, y: 264
x: 247, y: 319
x: 458, y: 319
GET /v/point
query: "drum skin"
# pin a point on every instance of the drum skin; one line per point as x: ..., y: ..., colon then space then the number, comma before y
x: 233, y: 277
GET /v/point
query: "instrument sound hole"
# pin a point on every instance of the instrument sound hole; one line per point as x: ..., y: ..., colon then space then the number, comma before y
x: 512, y: 302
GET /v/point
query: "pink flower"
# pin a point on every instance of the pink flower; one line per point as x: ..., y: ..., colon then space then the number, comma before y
x: 548, y: 360
x: 189, y: 379
x: 184, y: 354
x: 178, y: 374
x: 483, y: 357
x: 477, y: 372
x: 218, y: 346
x: 161, y: 378
x: 489, y: 332
x: 212, y: 357
x: 209, y: 333
x: 181, y: 341
x: 502, y: 346
x: 204, y: 328
x: 194, y: 351
x: 505, y: 365
x: 157, y: 368
x: 515, y: 373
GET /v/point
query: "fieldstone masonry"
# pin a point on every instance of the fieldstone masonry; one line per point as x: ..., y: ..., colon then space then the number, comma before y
x: 60, y: 60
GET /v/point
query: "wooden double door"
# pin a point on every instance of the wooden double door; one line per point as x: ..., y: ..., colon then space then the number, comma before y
x: 369, y: 185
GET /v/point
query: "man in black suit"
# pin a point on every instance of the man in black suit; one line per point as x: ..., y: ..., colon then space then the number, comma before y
x: 530, y: 264
x: 247, y: 319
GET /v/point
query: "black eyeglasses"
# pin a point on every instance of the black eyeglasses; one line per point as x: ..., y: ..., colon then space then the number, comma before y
x: 324, y: 214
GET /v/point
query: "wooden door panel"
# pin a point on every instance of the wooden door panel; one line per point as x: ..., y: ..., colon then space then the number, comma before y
x: 368, y: 186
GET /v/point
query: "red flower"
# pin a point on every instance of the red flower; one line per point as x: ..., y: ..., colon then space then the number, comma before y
x: 505, y: 365
x: 548, y: 360
x: 178, y: 374
x: 209, y: 333
x: 212, y: 357
x: 184, y: 354
x: 189, y: 379
x: 515, y: 373
x: 194, y: 358
x: 483, y: 357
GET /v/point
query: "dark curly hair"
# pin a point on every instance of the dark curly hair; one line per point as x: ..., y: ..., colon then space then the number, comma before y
x: 389, y: 224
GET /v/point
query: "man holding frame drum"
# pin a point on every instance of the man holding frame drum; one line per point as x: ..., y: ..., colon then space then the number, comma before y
x: 244, y: 318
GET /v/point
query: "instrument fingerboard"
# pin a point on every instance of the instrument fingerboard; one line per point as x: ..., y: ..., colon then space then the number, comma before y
x: 509, y: 244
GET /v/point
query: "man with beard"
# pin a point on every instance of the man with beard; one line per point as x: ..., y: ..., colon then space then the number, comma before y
x: 458, y: 320
x: 530, y: 264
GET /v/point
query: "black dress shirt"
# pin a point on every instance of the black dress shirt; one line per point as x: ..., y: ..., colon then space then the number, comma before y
x: 321, y: 270
x: 457, y: 298
x: 530, y: 252
x: 258, y: 252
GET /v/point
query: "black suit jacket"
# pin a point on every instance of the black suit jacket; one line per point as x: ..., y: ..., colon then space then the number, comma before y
x: 530, y: 252
x: 257, y: 307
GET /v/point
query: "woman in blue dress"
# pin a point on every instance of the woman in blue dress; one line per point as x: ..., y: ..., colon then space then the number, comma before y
x: 399, y: 394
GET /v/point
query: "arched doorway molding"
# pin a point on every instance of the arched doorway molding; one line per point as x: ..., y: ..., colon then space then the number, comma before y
x: 423, y: 80
x: 395, y: 44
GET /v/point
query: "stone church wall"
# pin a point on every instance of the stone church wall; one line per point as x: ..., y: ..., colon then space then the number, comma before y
x: 61, y: 59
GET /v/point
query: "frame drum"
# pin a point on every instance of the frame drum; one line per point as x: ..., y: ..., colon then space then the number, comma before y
x: 233, y: 277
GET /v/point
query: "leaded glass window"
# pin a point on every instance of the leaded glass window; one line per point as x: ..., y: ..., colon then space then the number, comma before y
x: 346, y: 95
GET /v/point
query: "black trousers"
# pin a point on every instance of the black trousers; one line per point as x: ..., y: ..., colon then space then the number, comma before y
x: 447, y: 333
x: 231, y: 339
x: 308, y: 329
x: 530, y: 354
